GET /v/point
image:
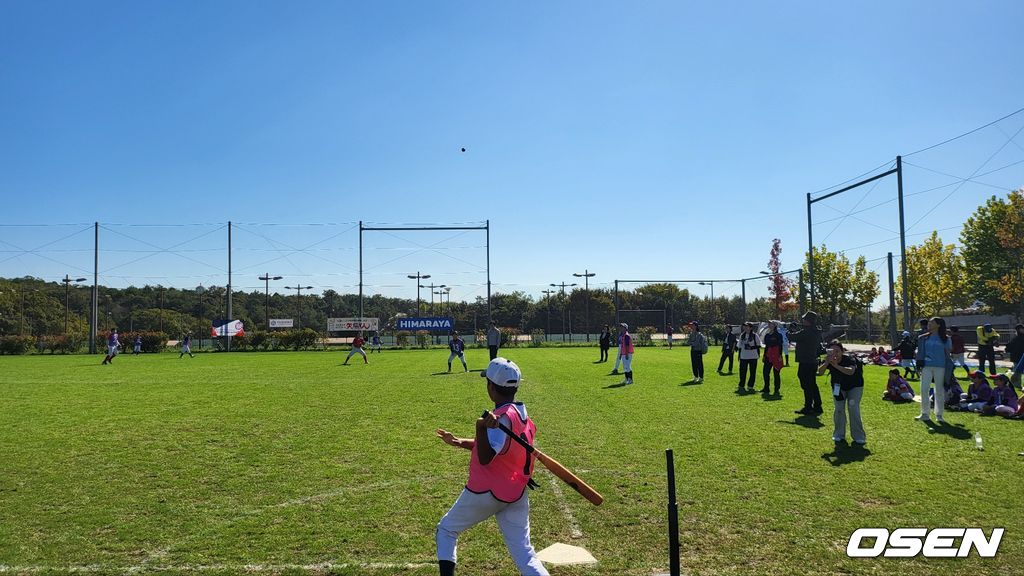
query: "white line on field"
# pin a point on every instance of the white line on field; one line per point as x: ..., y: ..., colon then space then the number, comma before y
x: 556, y: 487
x: 236, y: 568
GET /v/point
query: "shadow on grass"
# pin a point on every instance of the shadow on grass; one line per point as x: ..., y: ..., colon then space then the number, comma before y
x: 770, y: 397
x: 844, y: 453
x: 957, y: 432
x: 691, y: 383
x: 440, y: 373
x: 618, y: 385
x: 744, y: 391
x: 807, y: 421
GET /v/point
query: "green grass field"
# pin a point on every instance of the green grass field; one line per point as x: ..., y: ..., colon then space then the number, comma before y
x: 292, y: 463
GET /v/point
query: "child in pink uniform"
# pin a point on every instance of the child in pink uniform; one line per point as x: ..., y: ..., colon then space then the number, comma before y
x: 499, y: 472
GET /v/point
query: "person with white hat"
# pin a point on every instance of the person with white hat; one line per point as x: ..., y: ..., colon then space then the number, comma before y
x: 625, y: 354
x: 499, y: 472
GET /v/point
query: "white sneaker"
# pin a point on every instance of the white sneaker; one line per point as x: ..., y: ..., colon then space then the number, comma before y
x: 922, y: 418
x: 629, y: 381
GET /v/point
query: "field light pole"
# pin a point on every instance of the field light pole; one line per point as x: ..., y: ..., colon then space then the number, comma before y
x: 67, y: 298
x: 417, y: 277
x: 440, y: 298
x: 266, y: 306
x: 712, y: 284
x: 587, y: 275
x: 431, y: 287
x: 562, y: 285
x: 299, y: 289
x: 547, y: 294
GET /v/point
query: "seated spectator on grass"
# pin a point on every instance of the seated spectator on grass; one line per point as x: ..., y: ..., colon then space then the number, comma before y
x: 978, y: 393
x: 897, y: 390
x: 1003, y: 401
x: 873, y: 355
x: 953, y: 391
x: 886, y: 358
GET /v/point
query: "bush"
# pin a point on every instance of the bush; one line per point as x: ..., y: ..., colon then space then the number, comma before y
x: 422, y: 338
x: 258, y: 340
x: 536, y: 338
x: 16, y: 344
x: 643, y: 335
x: 63, y: 343
x: 509, y: 336
x: 303, y: 339
x: 402, y: 339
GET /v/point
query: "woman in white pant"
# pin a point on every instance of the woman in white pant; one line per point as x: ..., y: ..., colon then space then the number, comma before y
x: 933, y: 353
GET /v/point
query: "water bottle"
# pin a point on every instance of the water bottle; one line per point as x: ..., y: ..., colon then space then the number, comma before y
x: 977, y: 441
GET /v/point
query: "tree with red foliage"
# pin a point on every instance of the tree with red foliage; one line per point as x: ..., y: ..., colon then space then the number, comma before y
x: 779, y: 286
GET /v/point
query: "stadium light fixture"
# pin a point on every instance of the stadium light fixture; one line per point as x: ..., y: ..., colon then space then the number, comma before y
x: 67, y: 297
x: 266, y: 306
x: 417, y: 277
x: 587, y: 275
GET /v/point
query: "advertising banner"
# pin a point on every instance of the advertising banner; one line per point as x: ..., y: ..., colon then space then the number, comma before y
x: 282, y: 323
x: 227, y: 328
x: 438, y: 324
x: 353, y: 324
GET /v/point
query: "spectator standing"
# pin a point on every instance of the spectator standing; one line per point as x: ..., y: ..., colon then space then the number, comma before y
x: 772, y: 357
x: 493, y: 340
x: 1015, y: 350
x: 847, y: 375
x: 728, y: 347
x: 750, y: 351
x: 625, y: 353
x: 605, y: 342
x: 959, y: 350
x: 784, y: 332
x: 668, y: 335
x: 137, y: 347
x: 698, y: 348
x: 907, y: 349
x: 808, y: 346
x: 932, y: 355
x: 987, y: 340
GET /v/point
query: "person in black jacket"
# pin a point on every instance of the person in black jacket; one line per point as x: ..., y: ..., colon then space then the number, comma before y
x: 808, y: 345
x: 1015, y: 349
x: 847, y: 389
x: 728, y: 347
x: 908, y: 350
x: 605, y: 342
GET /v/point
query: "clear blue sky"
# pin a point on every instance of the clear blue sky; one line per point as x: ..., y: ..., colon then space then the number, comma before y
x: 638, y: 140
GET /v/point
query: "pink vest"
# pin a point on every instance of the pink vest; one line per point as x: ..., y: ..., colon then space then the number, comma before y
x: 505, y: 477
x: 625, y: 344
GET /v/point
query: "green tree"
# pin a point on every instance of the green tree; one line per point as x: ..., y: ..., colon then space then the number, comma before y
x: 840, y: 287
x: 991, y: 240
x: 936, y: 278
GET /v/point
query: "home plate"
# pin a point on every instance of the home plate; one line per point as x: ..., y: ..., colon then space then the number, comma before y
x: 559, y: 554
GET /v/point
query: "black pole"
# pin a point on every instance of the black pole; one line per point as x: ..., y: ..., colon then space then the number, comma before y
x: 903, y: 244
x: 361, y: 270
x: 616, y: 302
x: 892, y: 303
x: 229, y: 286
x: 93, y: 320
x: 67, y: 301
x: 803, y: 295
x: 266, y: 302
x: 487, y: 227
x: 673, y: 516
x: 810, y: 250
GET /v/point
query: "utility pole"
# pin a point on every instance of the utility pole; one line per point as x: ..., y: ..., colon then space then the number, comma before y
x: 547, y: 295
x: 299, y: 290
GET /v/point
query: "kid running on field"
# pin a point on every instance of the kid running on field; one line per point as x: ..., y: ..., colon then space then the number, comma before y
x: 186, y: 347
x: 357, y: 348
x: 113, y: 347
x: 499, y: 471
x: 138, y: 345
x: 457, y: 347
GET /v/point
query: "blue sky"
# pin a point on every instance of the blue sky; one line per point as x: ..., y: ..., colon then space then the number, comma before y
x: 638, y: 140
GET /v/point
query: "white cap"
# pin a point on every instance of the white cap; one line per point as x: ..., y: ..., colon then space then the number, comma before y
x: 503, y: 372
x: 624, y: 325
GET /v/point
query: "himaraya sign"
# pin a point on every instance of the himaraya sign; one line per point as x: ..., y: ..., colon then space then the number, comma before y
x: 353, y: 324
x: 282, y: 323
x: 227, y: 328
x: 429, y: 324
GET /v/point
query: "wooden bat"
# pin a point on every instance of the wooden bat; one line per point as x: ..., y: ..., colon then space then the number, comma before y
x: 556, y: 468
